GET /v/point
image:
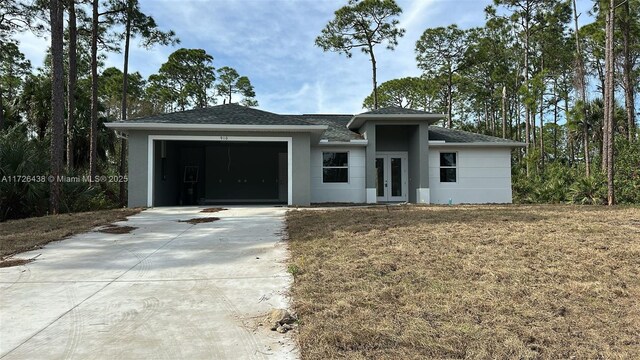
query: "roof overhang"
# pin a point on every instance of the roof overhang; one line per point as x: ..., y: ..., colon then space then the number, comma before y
x: 510, y: 144
x: 315, y: 131
x: 128, y: 126
x: 357, y: 121
x: 355, y: 142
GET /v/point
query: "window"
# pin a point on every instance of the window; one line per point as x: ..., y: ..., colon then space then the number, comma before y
x: 335, y: 167
x: 448, y: 167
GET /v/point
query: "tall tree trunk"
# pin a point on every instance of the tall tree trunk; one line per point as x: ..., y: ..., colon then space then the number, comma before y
x: 511, y: 115
x: 571, y: 137
x: 56, y: 10
x: 534, y: 135
x: 542, y: 154
x: 518, y: 121
x: 587, y: 154
x: 1, y: 111
x: 374, y: 71
x: 124, y: 109
x: 72, y: 77
x: 527, y: 120
x: 581, y: 88
x: 555, y: 120
x: 93, y: 141
x: 449, y: 98
x: 602, y: 77
x: 627, y: 69
x: 504, y: 112
x: 605, y: 94
x: 609, y: 101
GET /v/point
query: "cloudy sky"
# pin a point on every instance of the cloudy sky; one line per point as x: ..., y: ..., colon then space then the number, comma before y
x: 272, y: 42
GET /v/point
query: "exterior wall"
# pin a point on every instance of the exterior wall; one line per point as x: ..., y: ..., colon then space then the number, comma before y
x: 138, y: 165
x: 483, y: 176
x: 301, y: 177
x: 138, y: 162
x: 351, y: 192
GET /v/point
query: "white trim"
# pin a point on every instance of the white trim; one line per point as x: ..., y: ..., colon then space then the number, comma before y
x: 476, y: 144
x: 289, y: 171
x: 371, y: 196
x: 150, y: 161
x: 404, y: 158
x: 325, y: 142
x: 213, y: 127
x: 322, y: 167
x: 440, y: 166
x: 150, y: 155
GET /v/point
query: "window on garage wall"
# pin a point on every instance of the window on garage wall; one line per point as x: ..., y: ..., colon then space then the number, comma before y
x: 448, y: 167
x: 335, y: 167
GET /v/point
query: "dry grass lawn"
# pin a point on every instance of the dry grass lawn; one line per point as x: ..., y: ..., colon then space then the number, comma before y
x: 477, y: 282
x: 27, y: 234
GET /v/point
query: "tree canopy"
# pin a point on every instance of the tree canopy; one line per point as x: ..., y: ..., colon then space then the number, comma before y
x: 363, y: 24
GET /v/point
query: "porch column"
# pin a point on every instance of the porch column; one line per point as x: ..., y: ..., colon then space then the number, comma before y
x: 370, y: 165
x: 422, y: 189
x: 301, y: 170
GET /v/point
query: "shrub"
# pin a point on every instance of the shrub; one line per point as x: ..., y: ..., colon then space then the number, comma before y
x: 588, y: 191
x: 20, y: 156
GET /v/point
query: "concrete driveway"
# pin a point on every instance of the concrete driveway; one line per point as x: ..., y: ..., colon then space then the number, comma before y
x: 167, y: 290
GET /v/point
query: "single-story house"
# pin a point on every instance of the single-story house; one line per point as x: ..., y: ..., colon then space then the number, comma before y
x: 231, y: 153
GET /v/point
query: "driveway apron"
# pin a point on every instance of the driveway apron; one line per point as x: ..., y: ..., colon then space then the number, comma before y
x: 166, y: 290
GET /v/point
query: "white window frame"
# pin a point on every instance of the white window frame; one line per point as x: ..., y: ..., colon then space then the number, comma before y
x: 335, y: 167
x: 440, y: 166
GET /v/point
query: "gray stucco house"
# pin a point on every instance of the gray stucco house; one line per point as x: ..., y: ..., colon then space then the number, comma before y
x: 231, y: 153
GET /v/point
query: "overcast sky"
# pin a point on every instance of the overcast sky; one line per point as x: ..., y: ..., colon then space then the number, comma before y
x: 272, y: 42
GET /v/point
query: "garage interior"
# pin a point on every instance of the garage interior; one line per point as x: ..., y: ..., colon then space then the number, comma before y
x: 219, y: 172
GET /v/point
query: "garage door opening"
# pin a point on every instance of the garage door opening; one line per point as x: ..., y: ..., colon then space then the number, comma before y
x: 187, y: 172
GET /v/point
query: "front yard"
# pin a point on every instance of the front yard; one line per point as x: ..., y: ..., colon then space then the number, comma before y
x: 27, y: 234
x: 476, y: 282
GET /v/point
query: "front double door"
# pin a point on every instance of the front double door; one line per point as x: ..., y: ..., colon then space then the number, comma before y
x: 391, y: 178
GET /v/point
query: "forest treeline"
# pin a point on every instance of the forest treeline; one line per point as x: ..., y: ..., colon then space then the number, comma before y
x: 533, y: 73
x: 52, y: 115
x: 536, y: 72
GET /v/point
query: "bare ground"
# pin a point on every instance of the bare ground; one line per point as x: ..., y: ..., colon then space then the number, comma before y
x: 202, y: 220
x: 26, y: 234
x: 478, y: 282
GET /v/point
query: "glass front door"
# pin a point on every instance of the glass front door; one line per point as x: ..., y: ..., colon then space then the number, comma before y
x: 391, y: 176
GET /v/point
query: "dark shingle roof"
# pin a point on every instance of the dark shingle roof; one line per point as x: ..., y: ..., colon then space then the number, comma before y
x: 395, y: 110
x: 459, y: 136
x: 228, y: 114
x: 337, y: 126
x: 234, y: 114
